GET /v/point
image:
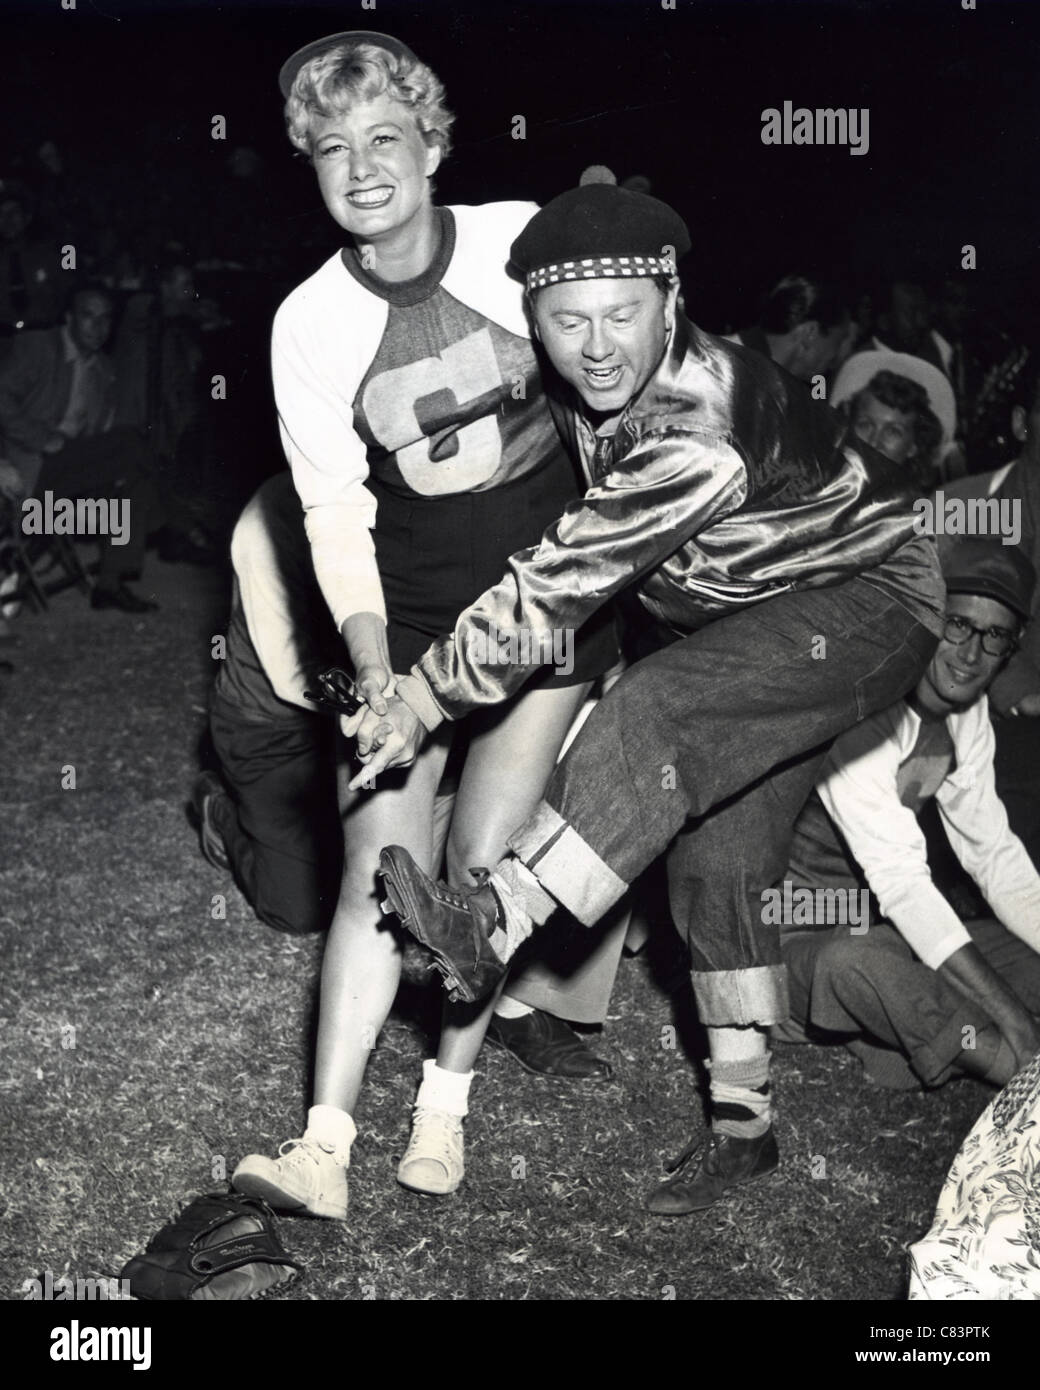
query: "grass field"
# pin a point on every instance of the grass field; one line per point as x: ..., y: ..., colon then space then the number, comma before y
x: 146, y: 1045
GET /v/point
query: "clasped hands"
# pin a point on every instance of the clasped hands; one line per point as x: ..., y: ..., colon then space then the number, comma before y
x: 387, y: 731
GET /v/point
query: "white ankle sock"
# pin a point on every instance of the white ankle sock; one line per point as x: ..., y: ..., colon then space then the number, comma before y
x: 444, y: 1090
x: 332, y: 1129
x: 508, y: 1007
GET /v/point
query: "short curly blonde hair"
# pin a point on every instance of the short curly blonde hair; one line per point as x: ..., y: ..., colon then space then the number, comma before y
x: 329, y: 83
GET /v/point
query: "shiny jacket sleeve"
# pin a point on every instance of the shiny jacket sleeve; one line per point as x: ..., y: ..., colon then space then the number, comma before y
x: 669, y: 486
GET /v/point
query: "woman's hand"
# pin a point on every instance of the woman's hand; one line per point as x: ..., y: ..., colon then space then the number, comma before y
x: 365, y: 637
x: 390, y: 740
x: 375, y: 684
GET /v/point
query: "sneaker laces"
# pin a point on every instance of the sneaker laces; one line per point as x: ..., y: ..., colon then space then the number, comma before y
x: 436, y: 1137
x: 297, y: 1153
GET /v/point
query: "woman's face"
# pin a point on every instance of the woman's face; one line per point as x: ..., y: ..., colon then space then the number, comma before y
x: 373, y: 167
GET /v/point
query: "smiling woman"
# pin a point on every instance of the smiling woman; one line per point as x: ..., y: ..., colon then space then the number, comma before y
x: 376, y: 128
x: 415, y: 422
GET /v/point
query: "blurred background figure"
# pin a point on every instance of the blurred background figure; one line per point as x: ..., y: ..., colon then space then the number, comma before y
x: 904, y: 325
x: 805, y: 326
x: 31, y: 289
x: 57, y: 414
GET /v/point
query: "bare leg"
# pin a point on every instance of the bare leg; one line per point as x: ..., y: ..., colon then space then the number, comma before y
x: 362, y: 965
x: 508, y: 763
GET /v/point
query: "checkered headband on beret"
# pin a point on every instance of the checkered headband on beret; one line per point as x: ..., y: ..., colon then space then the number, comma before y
x: 599, y: 232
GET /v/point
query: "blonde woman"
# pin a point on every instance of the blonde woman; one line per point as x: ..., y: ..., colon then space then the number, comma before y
x: 424, y: 454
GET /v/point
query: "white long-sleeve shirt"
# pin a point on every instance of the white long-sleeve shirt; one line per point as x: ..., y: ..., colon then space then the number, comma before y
x: 327, y: 334
x: 858, y: 787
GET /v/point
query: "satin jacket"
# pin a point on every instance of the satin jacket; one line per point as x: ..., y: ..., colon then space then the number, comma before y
x: 723, y: 484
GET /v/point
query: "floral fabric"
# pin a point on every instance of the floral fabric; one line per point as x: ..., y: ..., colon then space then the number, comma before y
x: 985, y: 1239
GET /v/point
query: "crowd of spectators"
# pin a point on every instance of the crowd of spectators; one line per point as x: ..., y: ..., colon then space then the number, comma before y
x: 191, y: 264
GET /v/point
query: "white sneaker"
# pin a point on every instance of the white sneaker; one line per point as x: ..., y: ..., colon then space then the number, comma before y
x: 433, y: 1161
x: 305, y: 1177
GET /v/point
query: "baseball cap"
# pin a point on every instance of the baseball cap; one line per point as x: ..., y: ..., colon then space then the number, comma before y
x: 291, y: 66
x: 992, y: 570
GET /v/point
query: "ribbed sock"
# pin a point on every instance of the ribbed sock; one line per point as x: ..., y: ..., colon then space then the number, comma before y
x: 524, y: 902
x: 333, y: 1129
x: 740, y: 1100
x: 444, y: 1090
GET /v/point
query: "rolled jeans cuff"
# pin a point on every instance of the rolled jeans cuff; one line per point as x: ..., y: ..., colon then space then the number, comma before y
x: 566, y: 866
x: 741, y: 997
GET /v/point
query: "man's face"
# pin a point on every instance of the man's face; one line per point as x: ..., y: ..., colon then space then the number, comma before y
x: 820, y: 352
x: 605, y: 337
x: 883, y: 427
x: 90, y: 322
x: 909, y: 314
x: 958, y: 674
x: 373, y: 167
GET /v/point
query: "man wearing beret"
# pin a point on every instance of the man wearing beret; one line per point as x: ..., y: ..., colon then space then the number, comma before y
x: 776, y: 566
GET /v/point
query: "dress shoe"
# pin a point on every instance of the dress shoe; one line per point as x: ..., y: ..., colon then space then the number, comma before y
x: 708, y: 1167
x: 207, y: 788
x: 542, y: 1043
x: 455, y: 925
x: 123, y: 598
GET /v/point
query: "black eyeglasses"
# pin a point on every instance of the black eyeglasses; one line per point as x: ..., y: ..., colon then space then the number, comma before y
x: 996, y: 641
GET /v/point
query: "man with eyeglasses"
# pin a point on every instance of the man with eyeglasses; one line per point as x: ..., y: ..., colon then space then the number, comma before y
x: 918, y: 995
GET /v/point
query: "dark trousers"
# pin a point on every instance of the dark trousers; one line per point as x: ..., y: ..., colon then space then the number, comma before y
x: 904, y: 1020
x: 711, y: 747
x: 114, y: 464
x: 281, y: 824
x: 1017, y: 767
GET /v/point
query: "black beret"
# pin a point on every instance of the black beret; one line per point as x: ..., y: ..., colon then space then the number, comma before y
x: 599, y: 232
x: 292, y: 65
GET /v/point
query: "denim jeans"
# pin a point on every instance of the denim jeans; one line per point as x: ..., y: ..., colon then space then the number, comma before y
x: 711, y: 747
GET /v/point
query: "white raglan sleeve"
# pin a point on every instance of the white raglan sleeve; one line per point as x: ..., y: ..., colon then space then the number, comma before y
x: 859, y: 790
x: 328, y: 461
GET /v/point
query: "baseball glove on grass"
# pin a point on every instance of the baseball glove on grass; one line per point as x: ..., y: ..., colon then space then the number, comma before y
x: 222, y: 1246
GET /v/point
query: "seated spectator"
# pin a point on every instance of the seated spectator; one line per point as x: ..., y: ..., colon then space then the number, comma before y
x: 888, y: 398
x: 57, y: 407
x: 30, y: 271
x: 157, y: 359
x: 1016, y: 690
x: 916, y: 994
x: 805, y: 326
x: 904, y: 325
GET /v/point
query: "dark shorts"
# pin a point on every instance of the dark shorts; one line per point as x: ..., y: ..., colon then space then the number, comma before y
x: 436, y: 555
